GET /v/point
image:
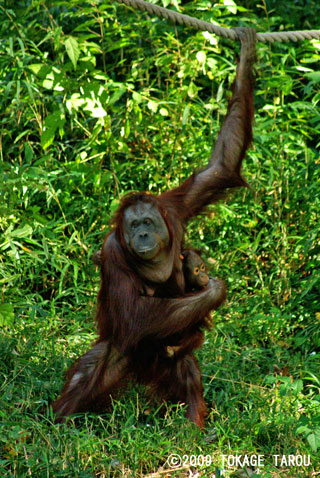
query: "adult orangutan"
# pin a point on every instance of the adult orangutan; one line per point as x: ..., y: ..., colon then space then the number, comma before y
x: 143, y: 306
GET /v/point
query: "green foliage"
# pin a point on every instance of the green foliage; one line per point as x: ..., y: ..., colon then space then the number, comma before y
x: 98, y: 99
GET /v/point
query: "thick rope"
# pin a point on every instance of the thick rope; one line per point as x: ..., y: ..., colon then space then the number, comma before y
x: 176, y: 17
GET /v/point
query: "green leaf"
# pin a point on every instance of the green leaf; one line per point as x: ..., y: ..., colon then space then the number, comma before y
x: 210, y: 37
x: 212, y: 63
x: 270, y: 379
x: 47, y: 137
x: 72, y: 49
x: 164, y: 112
x: 52, y: 80
x: 136, y: 97
x: 40, y: 69
x: 283, y: 389
x: 6, y: 315
x: 220, y: 92
x: 314, y: 440
x: 117, y: 95
x: 303, y: 429
x: 201, y: 56
x: 75, y: 102
x: 192, y: 90
x: 153, y: 106
x: 97, y: 112
x: 231, y: 6
x: 53, y: 122
x: 297, y: 386
x: 185, y: 115
x: 25, y: 231
x: 314, y: 76
x: 28, y: 152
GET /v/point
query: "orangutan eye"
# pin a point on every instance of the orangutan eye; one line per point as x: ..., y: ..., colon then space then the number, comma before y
x: 196, y: 271
x: 134, y: 224
x: 202, y: 268
x: 147, y: 222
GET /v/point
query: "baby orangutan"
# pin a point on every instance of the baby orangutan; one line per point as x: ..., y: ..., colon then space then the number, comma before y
x: 196, y: 277
x: 195, y: 271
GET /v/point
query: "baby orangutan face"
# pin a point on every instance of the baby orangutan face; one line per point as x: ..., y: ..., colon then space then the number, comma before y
x: 195, y: 271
